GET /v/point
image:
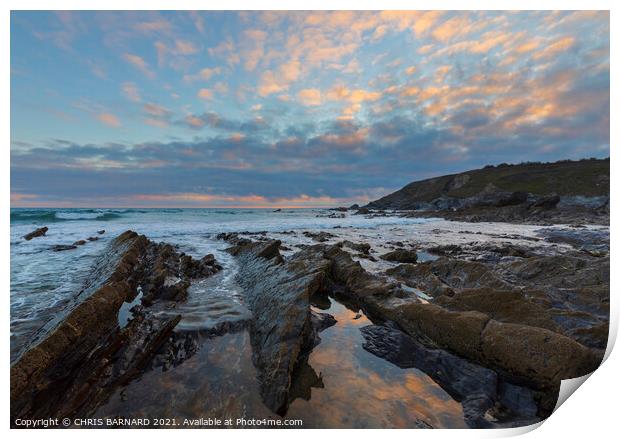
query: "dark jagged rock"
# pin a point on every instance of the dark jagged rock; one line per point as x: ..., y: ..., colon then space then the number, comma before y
x: 80, y: 242
x: 36, y: 233
x: 279, y: 295
x: 87, y: 351
x: 402, y: 256
x: 361, y: 247
x: 93, y: 238
x: 362, y: 211
x: 233, y: 238
x: 208, y: 260
x: 547, y: 202
x: 319, y: 236
x: 100, y: 232
x: 63, y: 247
x: 354, y: 206
x: 332, y: 215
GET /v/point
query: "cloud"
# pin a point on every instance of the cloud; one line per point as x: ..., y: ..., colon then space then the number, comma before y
x: 174, y: 53
x: 68, y: 26
x: 252, y: 48
x: 139, y: 63
x: 204, y: 74
x: 269, y: 84
x: 109, y: 119
x: 424, y: 22
x: 310, y: 96
x: 324, y: 104
x: 214, y: 120
x: 19, y: 198
x: 205, y: 93
x: 290, y: 70
x: 558, y: 46
x: 131, y: 91
x: 155, y: 110
x: 153, y: 26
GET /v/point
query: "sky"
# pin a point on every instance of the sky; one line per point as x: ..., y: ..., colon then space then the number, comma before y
x: 293, y: 109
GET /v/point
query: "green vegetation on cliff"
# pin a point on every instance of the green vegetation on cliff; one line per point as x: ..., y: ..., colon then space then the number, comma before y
x: 564, y: 178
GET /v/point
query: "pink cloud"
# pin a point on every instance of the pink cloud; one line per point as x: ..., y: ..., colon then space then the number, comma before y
x: 109, y: 119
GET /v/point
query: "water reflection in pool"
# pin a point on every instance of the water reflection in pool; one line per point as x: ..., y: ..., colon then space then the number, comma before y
x: 358, y: 389
x: 364, y: 391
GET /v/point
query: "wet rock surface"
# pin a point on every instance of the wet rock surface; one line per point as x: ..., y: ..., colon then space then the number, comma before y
x: 79, y: 358
x: 284, y: 329
x: 402, y: 256
x: 36, y: 233
x: 511, y: 319
x: 319, y: 236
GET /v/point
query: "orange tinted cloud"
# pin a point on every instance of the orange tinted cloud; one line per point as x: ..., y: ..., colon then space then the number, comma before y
x: 310, y: 96
x: 558, y: 46
x: 109, y: 119
x: 269, y: 83
x: 140, y: 64
x: 205, y: 93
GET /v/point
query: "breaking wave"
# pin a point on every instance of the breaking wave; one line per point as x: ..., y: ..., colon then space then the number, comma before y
x: 52, y: 216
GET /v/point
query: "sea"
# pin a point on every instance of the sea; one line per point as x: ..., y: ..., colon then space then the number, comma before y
x: 43, y: 281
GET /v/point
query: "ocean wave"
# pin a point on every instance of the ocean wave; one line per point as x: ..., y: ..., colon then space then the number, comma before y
x: 53, y: 216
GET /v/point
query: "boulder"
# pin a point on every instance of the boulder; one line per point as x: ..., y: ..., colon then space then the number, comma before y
x: 36, y: 233
x: 402, y: 256
x: 536, y: 354
x: 361, y: 247
x: 63, y: 247
x: 319, y: 236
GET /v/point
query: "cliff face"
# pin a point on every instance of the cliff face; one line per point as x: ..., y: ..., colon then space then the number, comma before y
x: 585, y: 181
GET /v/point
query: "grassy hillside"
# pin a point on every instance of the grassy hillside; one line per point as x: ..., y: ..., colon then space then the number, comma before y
x: 565, y: 178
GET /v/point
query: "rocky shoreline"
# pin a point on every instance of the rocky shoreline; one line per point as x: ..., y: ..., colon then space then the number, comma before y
x: 89, y: 351
x: 564, y: 192
x: 496, y: 320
